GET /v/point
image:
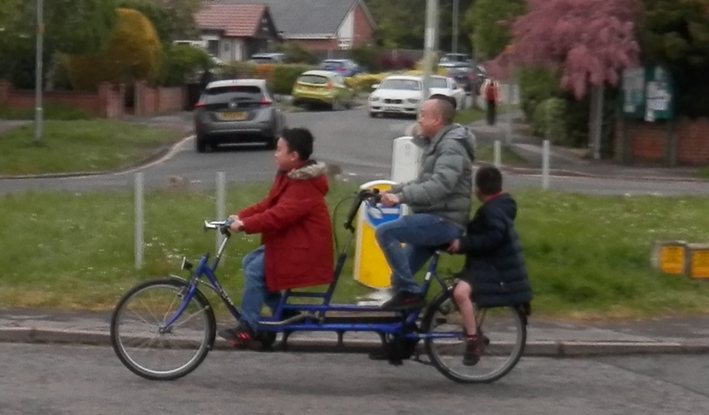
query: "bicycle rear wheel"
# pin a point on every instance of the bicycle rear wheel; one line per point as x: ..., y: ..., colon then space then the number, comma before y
x: 504, y: 327
x: 148, y: 348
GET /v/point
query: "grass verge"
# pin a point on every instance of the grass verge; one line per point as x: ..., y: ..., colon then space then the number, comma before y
x: 588, y: 256
x: 50, y: 111
x: 80, y: 146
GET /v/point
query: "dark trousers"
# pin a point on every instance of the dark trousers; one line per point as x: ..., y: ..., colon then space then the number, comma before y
x: 491, y: 109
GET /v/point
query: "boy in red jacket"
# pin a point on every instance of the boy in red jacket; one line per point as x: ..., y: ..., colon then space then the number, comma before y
x: 296, y: 243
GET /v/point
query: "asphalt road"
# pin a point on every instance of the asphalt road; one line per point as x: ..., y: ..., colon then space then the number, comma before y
x: 53, y: 380
x: 359, y: 145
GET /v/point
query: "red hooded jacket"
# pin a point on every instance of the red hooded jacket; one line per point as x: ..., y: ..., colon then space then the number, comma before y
x: 296, y: 231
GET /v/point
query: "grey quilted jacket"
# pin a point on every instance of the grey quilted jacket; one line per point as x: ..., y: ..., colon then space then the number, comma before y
x: 444, y: 184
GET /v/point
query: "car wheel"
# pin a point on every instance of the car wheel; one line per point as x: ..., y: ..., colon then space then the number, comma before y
x: 336, y: 105
x: 271, y: 141
x: 200, y: 144
x: 372, y: 115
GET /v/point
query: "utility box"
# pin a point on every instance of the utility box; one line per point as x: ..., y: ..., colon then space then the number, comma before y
x: 405, y: 160
x: 671, y: 257
x: 698, y: 260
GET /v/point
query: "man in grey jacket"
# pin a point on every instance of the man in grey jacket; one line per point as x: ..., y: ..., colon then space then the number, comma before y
x: 440, y: 199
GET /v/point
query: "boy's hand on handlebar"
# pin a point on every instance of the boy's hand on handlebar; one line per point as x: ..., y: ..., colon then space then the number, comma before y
x: 237, y: 225
x: 390, y: 199
x: 454, y: 247
x: 233, y: 217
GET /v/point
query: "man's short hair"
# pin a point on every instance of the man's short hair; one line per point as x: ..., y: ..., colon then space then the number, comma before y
x: 488, y: 180
x: 446, y: 107
x: 299, y: 140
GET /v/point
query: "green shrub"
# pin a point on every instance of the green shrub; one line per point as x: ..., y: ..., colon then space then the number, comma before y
x: 183, y: 62
x: 549, y: 120
x: 284, y: 76
x: 133, y: 53
x: 536, y: 85
x: 295, y: 53
x: 367, y: 56
x: 235, y: 70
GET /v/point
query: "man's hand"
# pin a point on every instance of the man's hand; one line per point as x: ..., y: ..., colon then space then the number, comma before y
x: 454, y: 247
x: 237, y: 226
x: 390, y: 199
x: 233, y: 217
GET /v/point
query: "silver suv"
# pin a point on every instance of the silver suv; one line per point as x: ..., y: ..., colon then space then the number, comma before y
x: 237, y: 111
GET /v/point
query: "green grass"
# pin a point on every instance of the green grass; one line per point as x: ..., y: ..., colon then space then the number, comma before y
x: 80, y: 146
x: 588, y: 256
x: 51, y: 111
x: 471, y: 115
x: 704, y: 173
x: 486, y: 153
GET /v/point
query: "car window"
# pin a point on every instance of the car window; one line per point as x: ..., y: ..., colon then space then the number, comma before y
x: 330, y: 65
x: 439, y: 83
x: 403, y: 84
x: 223, y: 94
x: 313, y: 79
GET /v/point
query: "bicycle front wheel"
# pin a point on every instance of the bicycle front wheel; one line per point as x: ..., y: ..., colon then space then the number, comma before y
x: 504, y: 330
x: 143, y: 341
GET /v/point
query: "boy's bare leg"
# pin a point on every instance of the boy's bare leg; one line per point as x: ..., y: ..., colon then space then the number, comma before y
x: 462, y: 294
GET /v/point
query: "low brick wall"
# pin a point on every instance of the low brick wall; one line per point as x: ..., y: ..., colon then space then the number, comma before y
x: 648, y: 142
x: 107, y: 102
x: 152, y: 101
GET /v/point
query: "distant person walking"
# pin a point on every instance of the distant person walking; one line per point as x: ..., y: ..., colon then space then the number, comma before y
x: 491, y: 94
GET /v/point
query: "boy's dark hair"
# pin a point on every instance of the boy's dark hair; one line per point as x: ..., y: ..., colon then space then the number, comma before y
x: 488, y: 180
x: 299, y: 140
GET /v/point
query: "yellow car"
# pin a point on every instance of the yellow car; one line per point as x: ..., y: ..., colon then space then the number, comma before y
x: 322, y: 88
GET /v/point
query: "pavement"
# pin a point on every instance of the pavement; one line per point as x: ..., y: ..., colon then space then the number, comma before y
x: 546, y: 338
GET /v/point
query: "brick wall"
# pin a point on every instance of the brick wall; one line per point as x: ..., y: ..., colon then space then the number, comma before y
x: 151, y: 101
x: 362, y: 28
x: 106, y: 102
x: 647, y: 142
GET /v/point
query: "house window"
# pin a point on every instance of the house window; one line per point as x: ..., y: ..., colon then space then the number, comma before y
x: 345, y: 44
x: 213, y: 47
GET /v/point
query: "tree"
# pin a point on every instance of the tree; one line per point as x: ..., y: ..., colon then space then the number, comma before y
x: 676, y: 34
x: 133, y: 53
x: 489, y: 24
x: 173, y: 19
x: 590, y: 41
x: 71, y: 26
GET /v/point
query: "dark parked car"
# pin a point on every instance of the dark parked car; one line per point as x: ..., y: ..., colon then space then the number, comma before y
x: 343, y: 67
x: 237, y: 111
x: 469, y: 77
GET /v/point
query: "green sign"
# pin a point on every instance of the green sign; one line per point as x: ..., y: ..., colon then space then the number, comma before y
x: 647, y: 93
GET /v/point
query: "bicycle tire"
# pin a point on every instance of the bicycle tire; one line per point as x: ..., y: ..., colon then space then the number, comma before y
x: 516, y: 319
x: 206, y: 339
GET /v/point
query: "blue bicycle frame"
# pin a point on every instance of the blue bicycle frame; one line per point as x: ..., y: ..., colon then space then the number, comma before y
x: 313, y: 317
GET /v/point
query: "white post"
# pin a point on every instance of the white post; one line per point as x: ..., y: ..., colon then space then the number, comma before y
x: 38, y: 111
x: 221, y: 204
x: 139, y: 220
x: 498, y: 154
x: 545, y: 165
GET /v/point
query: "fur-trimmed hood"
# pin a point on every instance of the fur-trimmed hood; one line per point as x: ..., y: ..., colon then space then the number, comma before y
x: 313, y: 171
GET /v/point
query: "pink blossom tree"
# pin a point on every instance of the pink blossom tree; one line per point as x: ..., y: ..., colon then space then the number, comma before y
x: 589, y: 41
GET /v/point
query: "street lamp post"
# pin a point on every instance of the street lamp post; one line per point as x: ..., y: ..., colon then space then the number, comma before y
x: 429, y: 44
x: 38, y: 73
x: 455, y: 27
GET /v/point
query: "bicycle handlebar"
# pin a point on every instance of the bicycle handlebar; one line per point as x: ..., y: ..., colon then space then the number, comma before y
x: 370, y: 196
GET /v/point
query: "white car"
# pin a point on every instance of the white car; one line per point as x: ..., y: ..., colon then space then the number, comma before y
x: 398, y: 94
x: 448, y: 86
x: 401, y: 94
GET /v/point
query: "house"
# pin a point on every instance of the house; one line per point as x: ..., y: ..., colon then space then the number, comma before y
x: 319, y: 25
x: 233, y: 32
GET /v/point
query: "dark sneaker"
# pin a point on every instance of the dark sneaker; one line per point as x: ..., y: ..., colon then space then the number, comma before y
x: 404, y: 300
x: 474, y: 348
x: 240, y: 336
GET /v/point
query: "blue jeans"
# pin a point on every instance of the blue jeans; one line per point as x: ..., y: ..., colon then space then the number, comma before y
x: 421, y: 233
x: 255, y: 292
